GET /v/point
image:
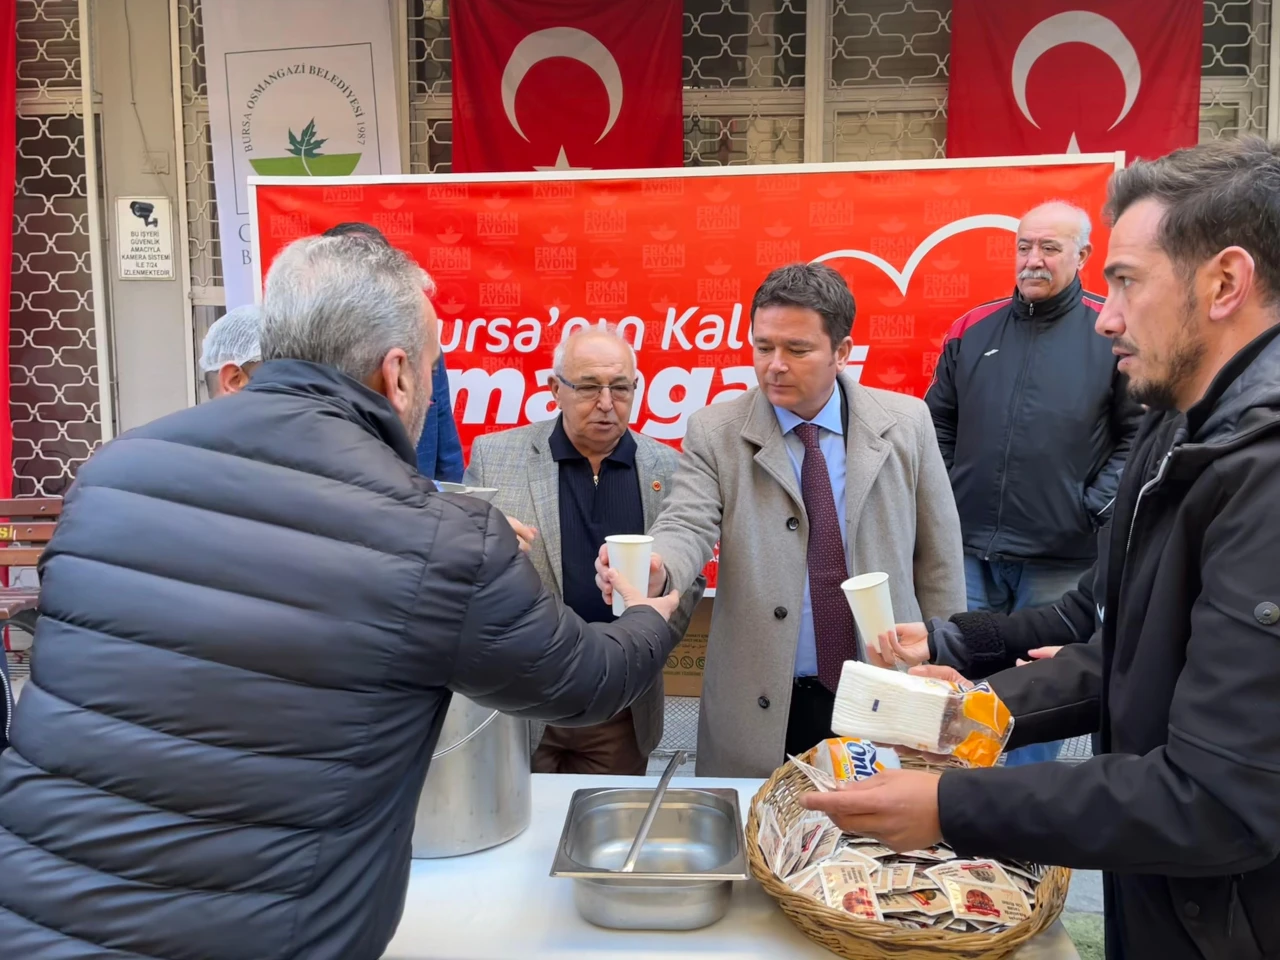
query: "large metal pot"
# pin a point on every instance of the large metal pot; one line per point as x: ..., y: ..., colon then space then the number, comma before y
x: 476, y: 794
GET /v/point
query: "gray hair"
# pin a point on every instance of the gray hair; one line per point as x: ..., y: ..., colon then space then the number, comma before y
x: 344, y: 302
x: 1084, y: 227
x: 233, y: 338
x: 608, y: 330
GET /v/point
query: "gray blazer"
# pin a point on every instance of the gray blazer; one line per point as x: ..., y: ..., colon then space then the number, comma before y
x: 519, y: 463
x: 737, y: 484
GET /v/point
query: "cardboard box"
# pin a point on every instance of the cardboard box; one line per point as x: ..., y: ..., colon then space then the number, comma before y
x: 683, y: 672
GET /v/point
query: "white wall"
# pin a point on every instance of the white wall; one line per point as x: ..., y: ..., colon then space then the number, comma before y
x: 151, y: 328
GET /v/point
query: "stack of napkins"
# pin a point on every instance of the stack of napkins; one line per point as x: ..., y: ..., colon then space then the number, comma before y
x: 886, y: 706
x: 922, y: 713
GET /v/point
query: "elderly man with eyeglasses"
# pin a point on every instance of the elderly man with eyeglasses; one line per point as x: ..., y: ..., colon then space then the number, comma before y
x: 577, y: 479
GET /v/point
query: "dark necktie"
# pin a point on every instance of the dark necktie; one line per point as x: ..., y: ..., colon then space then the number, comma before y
x: 833, y: 627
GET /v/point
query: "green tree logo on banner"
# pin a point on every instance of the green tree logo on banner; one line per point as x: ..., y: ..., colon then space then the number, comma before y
x: 305, y: 159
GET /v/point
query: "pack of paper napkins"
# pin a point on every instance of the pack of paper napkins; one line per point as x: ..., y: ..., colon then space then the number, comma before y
x: 922, y: 713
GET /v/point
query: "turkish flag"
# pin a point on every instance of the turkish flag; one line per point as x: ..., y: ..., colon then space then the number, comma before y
x: 566, y: 84
x: 1072, y: 76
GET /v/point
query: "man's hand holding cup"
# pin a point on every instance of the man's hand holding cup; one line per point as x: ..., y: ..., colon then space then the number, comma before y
x: 657, y: 574
x: 666, y: 606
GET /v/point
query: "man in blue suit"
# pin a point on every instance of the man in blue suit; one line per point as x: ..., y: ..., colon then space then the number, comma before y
x: 439, y: 449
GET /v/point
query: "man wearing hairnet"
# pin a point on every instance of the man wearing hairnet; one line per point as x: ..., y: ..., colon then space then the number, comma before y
x: 231, y: 351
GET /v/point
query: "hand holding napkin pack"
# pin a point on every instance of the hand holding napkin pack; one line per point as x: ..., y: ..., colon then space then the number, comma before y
x: 922, y: 713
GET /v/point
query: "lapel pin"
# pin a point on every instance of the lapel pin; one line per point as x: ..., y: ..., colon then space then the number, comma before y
x: 657, y: 486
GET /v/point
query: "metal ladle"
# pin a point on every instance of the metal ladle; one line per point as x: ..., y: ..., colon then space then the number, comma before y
x: 647, y: 823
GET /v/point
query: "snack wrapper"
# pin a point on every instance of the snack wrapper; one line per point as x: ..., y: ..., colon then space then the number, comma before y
x: 847, y: 759
x: 987, y: 903
x: 848, y: 887
x: 921, y: 713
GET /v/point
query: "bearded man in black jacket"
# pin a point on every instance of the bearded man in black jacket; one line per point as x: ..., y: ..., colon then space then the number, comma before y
x: 1180, y: 805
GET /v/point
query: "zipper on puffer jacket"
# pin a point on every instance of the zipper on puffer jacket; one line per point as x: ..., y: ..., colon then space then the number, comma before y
x: 9, y: 702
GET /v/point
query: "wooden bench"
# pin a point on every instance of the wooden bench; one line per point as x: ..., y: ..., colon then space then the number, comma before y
x: 28, y: 525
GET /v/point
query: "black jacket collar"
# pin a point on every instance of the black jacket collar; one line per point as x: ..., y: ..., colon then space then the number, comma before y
x: 1051, y: 309
x: 355, y: 401
x: 1248, y: 381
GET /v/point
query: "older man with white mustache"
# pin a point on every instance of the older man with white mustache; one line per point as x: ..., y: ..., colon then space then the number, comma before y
x: 1034, y: 425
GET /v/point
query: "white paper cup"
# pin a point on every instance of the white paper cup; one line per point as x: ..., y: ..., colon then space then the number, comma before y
x: 629, y: 554
x: 872, y: 607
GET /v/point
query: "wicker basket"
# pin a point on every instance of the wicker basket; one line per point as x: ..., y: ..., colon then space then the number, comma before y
x: 856, y: 939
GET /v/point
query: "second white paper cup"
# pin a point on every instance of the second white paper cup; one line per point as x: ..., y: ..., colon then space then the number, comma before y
x: 872, y: 607
x: 629, y: 554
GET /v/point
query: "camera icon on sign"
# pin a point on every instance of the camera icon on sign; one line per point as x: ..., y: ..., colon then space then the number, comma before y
x: 143, y: 211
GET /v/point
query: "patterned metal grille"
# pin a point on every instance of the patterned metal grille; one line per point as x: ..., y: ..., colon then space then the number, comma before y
x: 1235, y: 69
x: 204, y: 250
x: 52, y: 342
x: 886, y: 95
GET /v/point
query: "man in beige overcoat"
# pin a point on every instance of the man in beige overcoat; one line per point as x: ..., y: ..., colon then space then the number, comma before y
x: 806, y: 480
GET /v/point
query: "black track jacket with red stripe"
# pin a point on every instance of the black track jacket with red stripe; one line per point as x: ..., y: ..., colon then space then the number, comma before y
x: 1034, y: 425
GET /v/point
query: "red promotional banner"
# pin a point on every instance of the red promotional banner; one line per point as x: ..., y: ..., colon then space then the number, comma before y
x: 1065, y: 76
x: 674, y: 258
x: 566, y: 84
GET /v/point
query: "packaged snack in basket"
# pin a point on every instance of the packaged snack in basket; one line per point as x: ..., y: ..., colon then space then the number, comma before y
x: 934, y: 854
x: 788, y: 852
x: 769, y: 836
x: 931, y: 902
x: 921, y: 713
x: 846, y: 759
x: 802, y: 836
x: 822, y: 782
x: 811, y: 834
x: 987, y: 903
x: 873, y: 850
x: 977, y: 871
x: 851, y: 855
x: 847, y: 887
x: 1027, y: 887
x: 824, y: 846
x: 893, y: 876
x: 808, y: 883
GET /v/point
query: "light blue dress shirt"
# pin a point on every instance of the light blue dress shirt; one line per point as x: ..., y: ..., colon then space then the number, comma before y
x: 831, y: 442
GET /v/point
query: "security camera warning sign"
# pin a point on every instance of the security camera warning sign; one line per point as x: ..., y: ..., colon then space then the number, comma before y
x: 144, y: 238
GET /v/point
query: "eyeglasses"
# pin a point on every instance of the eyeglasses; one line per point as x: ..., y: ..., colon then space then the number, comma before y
x: 592, y: 391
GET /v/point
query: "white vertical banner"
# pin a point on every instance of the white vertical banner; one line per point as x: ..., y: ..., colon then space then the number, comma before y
x: 297, y: 88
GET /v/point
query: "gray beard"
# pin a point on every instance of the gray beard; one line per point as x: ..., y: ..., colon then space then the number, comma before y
x: 416, y: 417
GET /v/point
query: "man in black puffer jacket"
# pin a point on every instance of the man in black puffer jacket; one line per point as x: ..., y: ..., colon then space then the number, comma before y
x: 253, y: 614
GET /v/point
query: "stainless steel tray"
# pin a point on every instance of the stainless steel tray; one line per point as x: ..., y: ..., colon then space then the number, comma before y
x: 684, y: 875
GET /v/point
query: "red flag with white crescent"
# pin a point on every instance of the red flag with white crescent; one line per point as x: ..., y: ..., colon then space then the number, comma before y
x: 1071, y: 76
x: 566, y: 84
